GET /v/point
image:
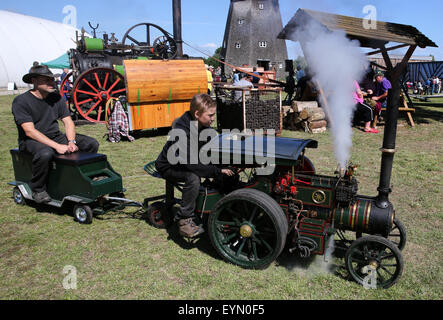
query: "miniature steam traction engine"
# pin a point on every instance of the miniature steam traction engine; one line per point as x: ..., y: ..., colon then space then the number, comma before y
x: 251, y: 217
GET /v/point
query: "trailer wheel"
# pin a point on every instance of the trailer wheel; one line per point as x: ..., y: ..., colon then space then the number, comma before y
x: 18, y: 196
x: 374, y: 262
x: 158, y: 215
x: 83, y: 214
x: 248, y: 228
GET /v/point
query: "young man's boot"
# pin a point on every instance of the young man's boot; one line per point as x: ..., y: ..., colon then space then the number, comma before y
x: 188, y: 228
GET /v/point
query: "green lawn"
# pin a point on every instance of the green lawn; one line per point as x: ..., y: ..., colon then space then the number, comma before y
x: 120, y: 256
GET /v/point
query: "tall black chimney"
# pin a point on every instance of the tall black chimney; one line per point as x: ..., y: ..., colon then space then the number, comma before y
x: 390, y: 135
x: 388, y: 149
x: 177, y: 20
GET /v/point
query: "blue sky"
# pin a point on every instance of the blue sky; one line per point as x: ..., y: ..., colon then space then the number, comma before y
x: 204, y: 20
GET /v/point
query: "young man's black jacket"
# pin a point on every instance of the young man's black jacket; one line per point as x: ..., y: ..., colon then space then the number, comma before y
x: 202, y: 170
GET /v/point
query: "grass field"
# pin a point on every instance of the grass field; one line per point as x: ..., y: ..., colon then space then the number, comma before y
x: 120, y: 256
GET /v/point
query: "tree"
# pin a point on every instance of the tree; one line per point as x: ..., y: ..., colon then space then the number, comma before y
x: 211, y: 61
x: 300, y: 61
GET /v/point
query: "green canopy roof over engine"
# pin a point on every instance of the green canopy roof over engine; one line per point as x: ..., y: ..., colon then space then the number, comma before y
x: 61, y: 62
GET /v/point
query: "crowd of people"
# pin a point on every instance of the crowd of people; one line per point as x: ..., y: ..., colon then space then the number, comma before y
x: 431, y: 86
x: 370, y: 95
x: 296, y: 84
x: 214, y: 75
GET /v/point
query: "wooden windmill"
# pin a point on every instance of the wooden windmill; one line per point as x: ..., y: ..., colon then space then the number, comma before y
x: 251, y: 36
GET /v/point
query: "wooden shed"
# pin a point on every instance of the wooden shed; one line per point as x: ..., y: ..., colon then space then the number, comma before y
x: 377, y: 38
x: 385, y: 32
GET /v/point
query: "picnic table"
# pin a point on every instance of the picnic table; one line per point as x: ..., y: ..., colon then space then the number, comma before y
x: 405, y: 108
x: 426, y: 98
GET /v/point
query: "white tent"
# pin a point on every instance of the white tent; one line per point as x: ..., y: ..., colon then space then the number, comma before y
x: 25, y: 39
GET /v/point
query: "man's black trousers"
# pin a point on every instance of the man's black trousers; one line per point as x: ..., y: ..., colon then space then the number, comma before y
x: 43, y: 154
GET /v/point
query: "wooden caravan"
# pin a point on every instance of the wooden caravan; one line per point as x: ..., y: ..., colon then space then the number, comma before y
x: 159, y: 91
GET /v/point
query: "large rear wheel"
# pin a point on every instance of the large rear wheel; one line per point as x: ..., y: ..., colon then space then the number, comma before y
x: 248, y: 228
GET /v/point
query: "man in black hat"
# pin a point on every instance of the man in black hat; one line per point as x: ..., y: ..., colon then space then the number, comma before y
x: 36, y: 113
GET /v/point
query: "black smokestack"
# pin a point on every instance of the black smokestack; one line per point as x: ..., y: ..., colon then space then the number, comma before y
x: 388, y: 150
x: 177, y: 20
x: 389, y: 138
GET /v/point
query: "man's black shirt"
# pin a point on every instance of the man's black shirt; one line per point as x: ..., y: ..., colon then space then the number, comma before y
x: 44, y: 113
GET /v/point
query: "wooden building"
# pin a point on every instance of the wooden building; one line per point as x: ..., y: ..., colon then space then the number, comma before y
x: 251, y: 36
x: 396, y: 58
x: 401, y: 36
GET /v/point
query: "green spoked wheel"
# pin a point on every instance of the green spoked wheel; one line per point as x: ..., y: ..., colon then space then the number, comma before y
x: 374, y: 262
x: 397, y: 234
x: 248, y: 228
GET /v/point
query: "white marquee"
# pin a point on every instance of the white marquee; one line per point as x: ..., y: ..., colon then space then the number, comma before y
x: 25, y: 39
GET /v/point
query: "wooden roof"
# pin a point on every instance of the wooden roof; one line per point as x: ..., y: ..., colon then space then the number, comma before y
x: 371, y: 38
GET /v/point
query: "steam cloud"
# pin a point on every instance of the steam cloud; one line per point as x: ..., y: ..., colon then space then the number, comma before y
x: 334, y: 62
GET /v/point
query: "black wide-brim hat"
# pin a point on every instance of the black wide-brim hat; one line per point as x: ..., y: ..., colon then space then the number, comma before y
x: 37, y: 71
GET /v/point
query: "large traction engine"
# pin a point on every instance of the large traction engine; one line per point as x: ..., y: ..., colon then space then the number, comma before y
x: 97, y: 67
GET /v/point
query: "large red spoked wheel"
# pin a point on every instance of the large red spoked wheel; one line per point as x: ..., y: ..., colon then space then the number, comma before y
x: 92, y: 90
